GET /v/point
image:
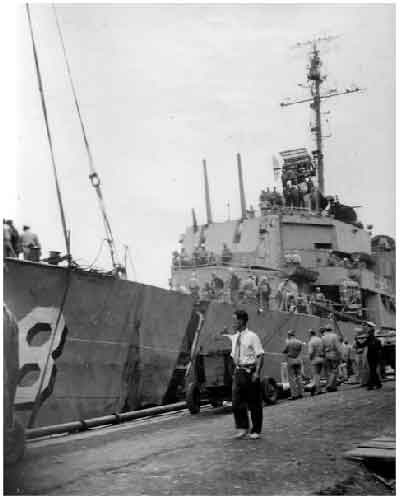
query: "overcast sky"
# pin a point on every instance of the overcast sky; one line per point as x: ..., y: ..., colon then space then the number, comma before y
x: 163, y: 86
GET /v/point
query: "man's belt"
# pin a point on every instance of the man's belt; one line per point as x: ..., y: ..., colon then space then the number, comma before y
x: 248, y: 368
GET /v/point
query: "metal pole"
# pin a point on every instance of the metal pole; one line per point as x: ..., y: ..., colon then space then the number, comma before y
x: 46, y: 120
x: 241, y: 186
x: 207, y: 194
x: 315, y: 76
x: 104, y: 420
x: 318, y: 133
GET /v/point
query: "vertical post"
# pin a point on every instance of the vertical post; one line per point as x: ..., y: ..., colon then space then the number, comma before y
x: 241, y: 186
x: 195, y: 227
x: 318, y: 134
x: 315, y: 76
x: 49, y: 137
x: 207, y: 194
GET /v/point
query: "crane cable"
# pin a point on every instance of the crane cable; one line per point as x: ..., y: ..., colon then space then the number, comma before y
x: 93, y: 176
x: 53, y: 161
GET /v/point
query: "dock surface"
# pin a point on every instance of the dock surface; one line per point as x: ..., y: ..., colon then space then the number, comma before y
x: 301, y: 452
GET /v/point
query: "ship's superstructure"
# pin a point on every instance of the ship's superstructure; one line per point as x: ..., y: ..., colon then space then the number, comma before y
x: 301, y: 250
x: 310, y: 249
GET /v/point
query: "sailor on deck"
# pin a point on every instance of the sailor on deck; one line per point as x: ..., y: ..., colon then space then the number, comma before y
x: 217, y: 285
x: 226, y: 255
x: 234, y: 285
x: 194, y: 286
x: 8, y: 250
x: 15, y: 238
x: 264, y: 292
x: 30, y: 243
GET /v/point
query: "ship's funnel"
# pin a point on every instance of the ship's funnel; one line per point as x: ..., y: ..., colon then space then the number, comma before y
x: 241, y: 186
x: 195, y: 226
x: 207, y: 194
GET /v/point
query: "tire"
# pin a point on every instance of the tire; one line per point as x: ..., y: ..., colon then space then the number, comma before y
x: 14, y: 444
x: 216, y: 403
x: 193, y: 398
x: 269, y: 390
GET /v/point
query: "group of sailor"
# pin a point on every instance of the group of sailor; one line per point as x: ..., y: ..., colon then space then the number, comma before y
x: 254, y: 289
x: 300, y: 193
x: 15, y: 243
x: 329, y: 353
x: 201, y: 257
x: 251, y: 289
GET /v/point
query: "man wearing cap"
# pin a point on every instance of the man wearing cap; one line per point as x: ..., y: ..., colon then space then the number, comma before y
x: 248, y: 356
x: 332, y: 355
x: 316, y: 355
x: 293, y: 358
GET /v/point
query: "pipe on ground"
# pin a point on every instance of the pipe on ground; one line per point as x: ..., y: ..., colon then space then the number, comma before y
x: 115, y: 418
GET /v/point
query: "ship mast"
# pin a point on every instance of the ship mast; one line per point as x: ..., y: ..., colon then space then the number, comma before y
x: 314, y: 75
x: 93, y: 175
x: 315, y: 80
x: 49, y: 138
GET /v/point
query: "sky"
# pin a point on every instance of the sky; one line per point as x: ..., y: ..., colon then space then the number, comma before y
x: 163, y: 86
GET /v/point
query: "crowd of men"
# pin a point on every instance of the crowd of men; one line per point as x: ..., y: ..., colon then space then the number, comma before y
x: 354, y: 262
x: 251, y: 289
x: 201, y: 257
x: 15, y: 243
x: 254, y: 289
x: 298, y: 193
x: 334, y: 357
x: 270, y: 200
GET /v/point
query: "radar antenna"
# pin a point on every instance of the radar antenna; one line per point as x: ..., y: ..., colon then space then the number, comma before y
x: 316, y: 79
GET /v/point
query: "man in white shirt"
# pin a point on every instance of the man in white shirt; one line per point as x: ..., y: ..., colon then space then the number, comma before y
x: 248, y: 356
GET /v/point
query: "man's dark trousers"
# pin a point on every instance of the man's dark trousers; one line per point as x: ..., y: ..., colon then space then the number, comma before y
x: 246, y: 394
x: 373, y: 379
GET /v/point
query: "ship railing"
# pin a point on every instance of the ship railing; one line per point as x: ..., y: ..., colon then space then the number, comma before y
x: 286, y: 210
x: 196, y: 265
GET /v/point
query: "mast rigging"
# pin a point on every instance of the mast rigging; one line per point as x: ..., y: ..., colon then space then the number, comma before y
x: 93, y: 175
x: 45, y: 115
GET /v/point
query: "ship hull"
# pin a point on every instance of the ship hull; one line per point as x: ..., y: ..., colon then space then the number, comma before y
x: 91, y: 345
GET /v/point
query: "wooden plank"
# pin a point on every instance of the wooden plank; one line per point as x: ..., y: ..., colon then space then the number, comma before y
x: 379, y: 445
x: 376, y: 453
x: 384, y: 438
